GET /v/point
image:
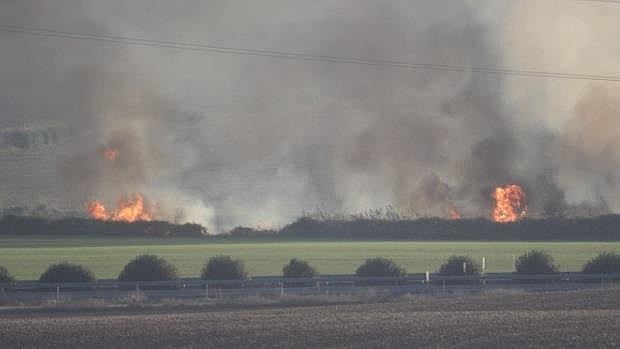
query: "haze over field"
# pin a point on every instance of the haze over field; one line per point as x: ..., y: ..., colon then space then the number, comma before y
x: 228, y: 140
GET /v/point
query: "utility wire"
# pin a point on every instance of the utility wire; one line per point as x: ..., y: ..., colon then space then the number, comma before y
x: 300, y: 56
x: 604, y: 1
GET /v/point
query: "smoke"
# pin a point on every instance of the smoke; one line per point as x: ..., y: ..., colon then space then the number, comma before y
x: 229, y: 140
x: 576, y: 119
x: 587, y: 156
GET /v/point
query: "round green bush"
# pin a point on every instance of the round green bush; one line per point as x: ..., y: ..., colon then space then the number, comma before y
x: 536, y: 262
x: 604, y: 263
x: 298, y: 269
x: 67, y: 272
x: 5, y: 276
x: 380, y: 267
x: 224, y: 268
x: 148, y: 267
x: 454, y: 266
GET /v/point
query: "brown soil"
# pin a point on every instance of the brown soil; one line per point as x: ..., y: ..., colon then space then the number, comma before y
x: 502, y: 319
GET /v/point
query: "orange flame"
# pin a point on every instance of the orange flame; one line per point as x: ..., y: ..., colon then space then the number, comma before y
x: 97, y: 210
x: 111, y: 154
x: 129, y: 210
x: 509, y: 203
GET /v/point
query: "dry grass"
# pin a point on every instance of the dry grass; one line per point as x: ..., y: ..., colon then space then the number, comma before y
x: 498, y: 319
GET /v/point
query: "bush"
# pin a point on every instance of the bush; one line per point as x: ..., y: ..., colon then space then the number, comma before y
x: 224, y: 268
x: 5, y: 276
x: 380, y: 267
x: 67, y: 272
x: 604, y: 263
x: 536, y: 262
x: 454, y: 266
x: 148, y: 268
x: 298, y: 269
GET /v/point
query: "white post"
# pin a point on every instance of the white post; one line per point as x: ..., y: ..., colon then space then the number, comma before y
x: 428, y: 277
x: 484, y: 264
x: 281, y: 289
x: 464, y: 268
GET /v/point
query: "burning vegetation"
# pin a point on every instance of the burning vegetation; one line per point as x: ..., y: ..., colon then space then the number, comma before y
x: 129, y: 209
x: 453, y: 213
x: 509, y: 203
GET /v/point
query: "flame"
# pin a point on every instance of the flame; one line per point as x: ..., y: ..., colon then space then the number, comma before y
x: 111, y: 154
x: 509, y: 203
x: 453, y: 213
x: 98, y: 211
x: 128, y: 210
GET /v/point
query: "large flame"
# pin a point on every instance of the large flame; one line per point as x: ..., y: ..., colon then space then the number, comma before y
x: 509, y: 203
x: 129, y: 209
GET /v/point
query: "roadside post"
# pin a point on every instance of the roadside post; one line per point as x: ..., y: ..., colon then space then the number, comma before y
x: 484, y: 267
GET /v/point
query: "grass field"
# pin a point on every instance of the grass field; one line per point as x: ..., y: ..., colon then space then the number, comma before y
x: 27, y: 257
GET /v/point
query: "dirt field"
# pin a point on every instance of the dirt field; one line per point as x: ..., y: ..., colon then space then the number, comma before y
x: 569, y: 319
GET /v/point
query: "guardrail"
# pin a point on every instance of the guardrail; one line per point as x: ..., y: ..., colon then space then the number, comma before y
x: 328, y: 284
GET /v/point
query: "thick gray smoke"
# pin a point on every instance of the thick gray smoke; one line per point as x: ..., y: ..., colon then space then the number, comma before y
x: 229, y: 140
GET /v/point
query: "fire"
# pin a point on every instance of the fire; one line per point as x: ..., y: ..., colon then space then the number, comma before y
x: 509, y: 203
x: 128, y: 210
x: 111, y: 154
x: 453, y: 213
x: 98, y: 211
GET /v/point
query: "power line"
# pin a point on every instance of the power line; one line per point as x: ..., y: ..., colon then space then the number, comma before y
x: 300, y: 56
x: 604, y: 1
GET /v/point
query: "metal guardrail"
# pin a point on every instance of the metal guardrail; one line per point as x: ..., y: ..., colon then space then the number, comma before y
x: 328, y: 284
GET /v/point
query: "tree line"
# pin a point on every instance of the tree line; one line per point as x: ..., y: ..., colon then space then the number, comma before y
x: 15, y: 225
x: 602, y: 228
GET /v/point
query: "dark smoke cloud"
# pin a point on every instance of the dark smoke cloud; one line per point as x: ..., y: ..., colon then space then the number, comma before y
x: 257, y: 141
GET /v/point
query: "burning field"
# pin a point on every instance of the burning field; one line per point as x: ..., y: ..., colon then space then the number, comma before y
x: 130, y: 207
x: 509, y: 200
x: 278, y: 140
x: 129, y: 210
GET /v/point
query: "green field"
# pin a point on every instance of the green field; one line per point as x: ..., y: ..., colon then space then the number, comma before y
x: 26, y: 258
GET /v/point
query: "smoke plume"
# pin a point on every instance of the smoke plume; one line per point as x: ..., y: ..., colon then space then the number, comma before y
x: 228, y: 140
